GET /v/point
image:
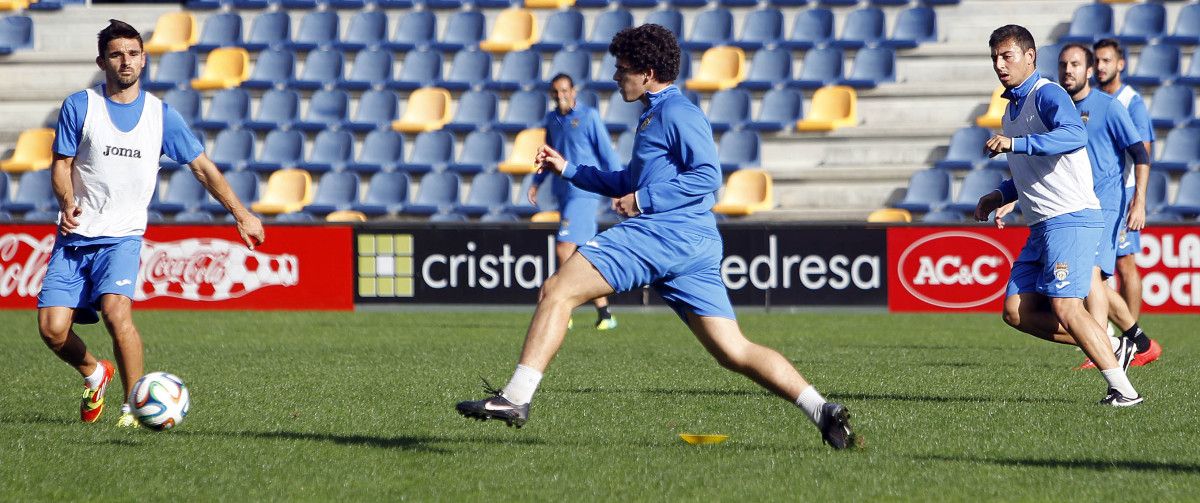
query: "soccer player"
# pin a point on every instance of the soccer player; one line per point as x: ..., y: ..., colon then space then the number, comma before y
x: 670, y: 241
x: 106, y: 152
x: 576, y: 130
x: 1110, y: 62
x: 1045, y: 142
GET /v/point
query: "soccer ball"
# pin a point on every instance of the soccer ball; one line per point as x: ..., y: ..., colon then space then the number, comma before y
x: 160, y: 401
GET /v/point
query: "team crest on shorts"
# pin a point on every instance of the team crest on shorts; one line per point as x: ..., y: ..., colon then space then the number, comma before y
x: 1121, y: 235
x: 1061, y: 270
x: 645, y: 123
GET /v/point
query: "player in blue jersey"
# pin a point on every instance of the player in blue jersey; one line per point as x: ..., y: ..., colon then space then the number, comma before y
x: 1045, y: 141
x: 670, y: 241
x: 106, y: 150
x: 576, y: 130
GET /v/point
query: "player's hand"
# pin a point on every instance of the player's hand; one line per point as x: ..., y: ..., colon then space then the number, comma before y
x: 1002, y: 212
x: 70, y: 218
x: 548, y: 158
x: 613, y: 203
x: 251, y: 230
x: 627, y: 206
x: 533, y: 190
x: 1137, y: 215
x: 998, y: 144
x: 987, y: 204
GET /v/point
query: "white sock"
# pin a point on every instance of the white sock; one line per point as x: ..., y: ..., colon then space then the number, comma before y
x: 93, y: 380
x: 520, y: 388
x: 1119, y: 381
x: 811, y: 401
x: 1116, y: 343
x: 125, y: 408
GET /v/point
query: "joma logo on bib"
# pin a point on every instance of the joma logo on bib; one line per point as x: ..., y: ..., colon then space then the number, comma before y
x: 122, y: 151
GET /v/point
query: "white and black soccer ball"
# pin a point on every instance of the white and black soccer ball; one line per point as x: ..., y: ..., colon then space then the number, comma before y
x: 160, y: 401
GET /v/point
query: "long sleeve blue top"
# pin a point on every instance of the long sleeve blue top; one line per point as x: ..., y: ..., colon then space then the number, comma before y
x: 1065, y: 132
x: 580, y: 136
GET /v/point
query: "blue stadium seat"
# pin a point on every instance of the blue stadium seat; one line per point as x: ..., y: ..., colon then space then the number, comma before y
x: 184, y: 193
x: 928, y: 190
x: 16, y: 32
x: 193, y: 217
x: 711, y: 28
x: 729, y: 109
x: 1164, y: 218
x: 476, y: 110
x: 493, y: 4
x: 1191, y: 77
x: 323, y: 66
x: 761, y: 28
x: 1156, y: 65
x: 607, y: 25
x: 464, y: 31
x: 669, y: 19
x: 172, y: 70
x: 602, y: 80
x: 251, y: 4
x: 779, y: 111
x: 228, y: 108
x: 822, y: 67
x: 423, y: 69
x: 332, y: 150
x: 525, y: 109
x: 589, y: 98
x: 368, y: 29
x: 1187, y: 196
x: 276, y: 109
x: 436, y: 192
x: 518, y: 70
x: 1156, y: 191
x: 481, y: 151
x: 377, y: 108
x: 318, y: 29
x: 1172, y: 105
x: 564, y: 30
x: 811, y: 28
x: 889, y: 2
x: 448, y: 216
x: 1187, y: 26
x: 269, y: 30
x: 1047, y: 66
x: 5, y: 185
x: 974, y: 186
x: 739, y: 149
x: 232, y: 149
x: 625, y: 147
x: 640, y: 4
x: 154, y: 217
x: 621, y: 116
x: 768, y: 68
x: 325, y: 108
x: 432, y: 150
x: 966, y: 149
x: 223, y: 29
x: 295, y: 217
x: 1091, y: 22
x: 244, y: 185
x: 490, y: 191
x: 521, y: 205
x: 500, y: 216
x: 281, y: 149
x: 34, y: 192
x: 386, y: 194
x: 417, y: 29
x: 47, y: 216
x: 272, y: 67
x: 838, y: 3
x: 576, y: 63
x: 1181, y: 151
x: 944, y: 217
x: 468, y: 69
x: 186, y: 102
x: 914, y: 26
x: 335, y: 191
x: 1144, y: 23
x: 872, y: 66
x: 863, y: 27
x: 382, y: 150
x: 372, y: 68
x: 789, y: 3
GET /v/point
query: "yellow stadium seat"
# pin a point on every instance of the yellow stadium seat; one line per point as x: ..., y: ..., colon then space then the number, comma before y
x: 995, y: 112
x: 174, y: 31
x: 545, y: 216
x: 549, y: 4
x: 525, y: 148
x: 225, y: 67
x: 515, y: 30
x: 832, y: 107
x: 288, y: 190
x: 428, y: 109
x: 346, y: 216
x: 720, y: 68
x: 746, y: 191
x: 33, y: 151
x: 889, y: 215
x: 6, y: 5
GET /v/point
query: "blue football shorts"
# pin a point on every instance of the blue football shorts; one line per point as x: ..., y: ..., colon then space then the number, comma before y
x: 1106, y: 250
x: 77, y: 276
x: 1129, y: 242
x: 577, y: 222
x: 1056, y: 262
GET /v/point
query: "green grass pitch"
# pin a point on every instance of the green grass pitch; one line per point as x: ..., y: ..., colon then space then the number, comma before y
x: 359, y: 406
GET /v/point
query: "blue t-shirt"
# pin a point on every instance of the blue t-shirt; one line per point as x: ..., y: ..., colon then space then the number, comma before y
x: 580, y: 136
x: 178, y: 141
x: 1110, y: 132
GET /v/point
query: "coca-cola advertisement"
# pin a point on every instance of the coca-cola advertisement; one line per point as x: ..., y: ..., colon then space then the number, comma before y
x: 204, y: 267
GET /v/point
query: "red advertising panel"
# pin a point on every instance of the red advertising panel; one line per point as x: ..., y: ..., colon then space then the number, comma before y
x: 204, y: 267
x: 1170, y: 264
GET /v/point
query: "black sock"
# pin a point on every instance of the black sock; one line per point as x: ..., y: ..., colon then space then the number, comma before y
x: 1139, y: 338
x: 602, y: 313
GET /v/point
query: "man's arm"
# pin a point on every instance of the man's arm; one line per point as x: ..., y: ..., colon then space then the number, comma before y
x: 1066, y: 132
x: 64, y: 191
x: 1124, y: 132
x: 598, y: 181
x: 691, y: 139
x: 249, y: 226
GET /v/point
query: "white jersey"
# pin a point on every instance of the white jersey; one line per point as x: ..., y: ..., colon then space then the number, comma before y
x: 1049, y: 185
x: 1125, y: 96
x: 115, y: 171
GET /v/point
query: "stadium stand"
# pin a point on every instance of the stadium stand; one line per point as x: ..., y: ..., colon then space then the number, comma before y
x: 320, y: 67
x: 376, y: 108
x: 728, y: 109
x: 525, y: 110
x: 811, y: 28
x: 382, y: 150
x: 1187, y: 26
x: 1187, y: 197
x: 872, y: 66
x: 481, y: 151
x: 1172, y: 106
x: 928, y: 190
x: 174, y: 31
x: 281, y: 148
x: 760, y: 28
x: 768, y: 67
x: 423, y: 68
x: 331, y: 151
x: 223, y: 29
x: 184, y: 101
x: 243, y: 183
x: 914, y: 26
x: 515, y: 30
x: 889, y: 215
x: 720, y: 68
x: 746, y: 191
x: 475, y: 110
x: 34, y: 193
x: 428, y: 109
x: 367, y: 30
x: 966, y: 151
x: 184, y: 193
x: 1180, y: 152
x: 233, y: 149
x: 1157, y: 64
x: 576, y: 64
x: 432, y: 150
x: 863, y: 27
x: 779, y: 111
x: 171, y: 70
x: 386, y: 194
x: 228, y: 108
x: 975, y: 185
x: 520, y: 158
x: 32, y: 153
x: 288, y: 190
x: 416, y: 30
x: 225, y: 67
x: 372, y: 69
x: 16, y: 33
x: 318, y: 29
x: 335, y: 191
x: 518, y: 70
x: 437, y: 192
x: 739, y: 149
x: 833, y: 107
x: 271, y: 66
x: 346, y: 216
x: 564, y: 30
x: 269, y: 30
x: 1144, y: 23
x: 822, y: 67
x: 711, y: 28
x: 1090, y: 23
x: 467, y: 69
x: 992, y: 118
x: 490, y: 192
x: 605, y: 27
x: 463, y: 30
x: 325, y: 108
x: 277, y: 108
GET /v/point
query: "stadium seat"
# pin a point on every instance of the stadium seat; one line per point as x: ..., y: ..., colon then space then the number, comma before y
x: 1144, y: 23
x: 739, y: 149
x: 944, y: 217
x: 602, y: 80
x: 172, y: 70
x: 325, y: 108
x: 489, y: 192
x: 549, y: 216
x: 174, y: 31
x: 469, y: 69
x: 575, y: 63
x: 607, y: 25
x: 269, y: 30
x: 1172, y: 106
x: 928, y: 190
x: 525, y: 147
x: 432, y: 150
x: 1163, y: 217
x: 872, y: 66
x: 564, y: 30
x: 288, y: 190
x: 244, y: 185
x: 16, y: 32
x: 224, y: 68
x: 276, y: 109
x: 525, y: 110
x: 417, y: 29
x: 822, y: 67
x: 966, y: 149
x: 184, y: 193
x: 1156, y: 65
x: 720, y: 68
x: 428, y: 109
x: 760, y: 28
x: 499, y: 216
x: 481, y: 151
x: 1187, y: 26
x: 193, y: 217
x: 545, y: 197
x: 976, y: 184
x: 272, y: 67
x: 476, y: 110
x: 1090, y: 23
x: 386, y: 194
x: 372, y: 68
x: 889, y: 215
x: 518, y: 70
x: 625, y: 147
x: 1191, y: 77
x: 728, y: 109
x: 463, y: 31
x: 746, y: 191
x: 1187, y: 195
x: 33, y: 151
x: 335, y: 191
x: 423, y: 68
x: 331, y: 151
x: 367, y: 30
x: 283, y: 148
x: 711, y: 28
x: 1180, y: 152
x: 779, y: 110
x: 321, y: 67
x: 914, y: 26
x: 35, y: 192
x: 376, y: 108
x: 863, y: 27
x: 589, y: 98
x: 5, y: 185
x: 621, y: 116
x: 346, y: 216
x: 832, y: 107
x: 295, y: 217
x: 318, y: 29
x: 838, y: 3
x: 1048, y: 67
x: 382, y: 150
x: 223, y: 29
x: 13, y: 5
x: 994, y: 115
x: 436, y: 193
x: 768, y: 68
x: 229, y: 108
x: 448, y: 216
x: 811, y: 28
x: 186, y: 102
x: 514, y: 30
x: 1156, y: 191
x: 233, y: 149
x: 667, y: 18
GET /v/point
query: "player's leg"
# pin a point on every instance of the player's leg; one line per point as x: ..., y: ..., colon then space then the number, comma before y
x: 1131, y: 284
x: 1096, y: 302
x: 114, y: 276
x: 54, y: 324
x: 1148, y: 350
x: 723, y: 339
x: 117, y: 311
x: 1030, y: 312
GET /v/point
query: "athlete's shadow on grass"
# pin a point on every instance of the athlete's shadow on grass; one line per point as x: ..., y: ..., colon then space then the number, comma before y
x: 38, y: 419
x: 940, y: 399
x: 1081, y: 464
x: 418, y: 443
